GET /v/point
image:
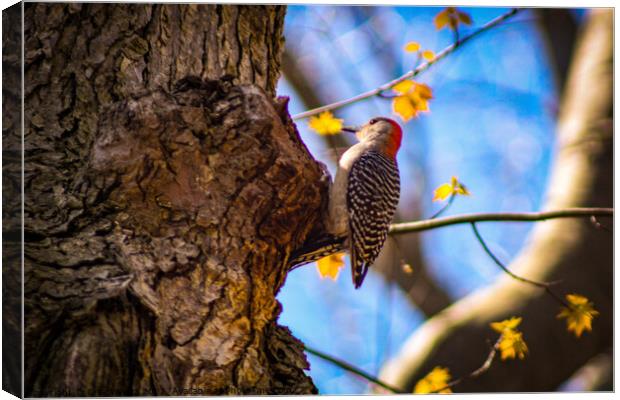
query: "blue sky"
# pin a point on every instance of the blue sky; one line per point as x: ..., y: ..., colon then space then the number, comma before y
x: 491, y: 123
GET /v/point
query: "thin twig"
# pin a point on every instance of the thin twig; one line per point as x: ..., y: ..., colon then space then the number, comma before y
x: 500, y: 264
x: 445, y: 207
x: 543, y: 285
x: 423, y: 225
x: 483, y: 368
x: 411, y: 74
x: 456, y: 34
x: 348, y: 367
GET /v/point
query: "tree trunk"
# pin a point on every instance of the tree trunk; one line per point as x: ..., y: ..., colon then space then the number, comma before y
x: 164, y: 193
x: 11, y: 200
x: 570, y: 250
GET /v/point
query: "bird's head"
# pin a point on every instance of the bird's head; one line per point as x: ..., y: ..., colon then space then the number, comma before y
x: 384, y: 132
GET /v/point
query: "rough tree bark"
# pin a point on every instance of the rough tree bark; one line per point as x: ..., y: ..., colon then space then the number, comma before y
x: 570, y: 250
x: 165, y: 189
x: 11, y: 200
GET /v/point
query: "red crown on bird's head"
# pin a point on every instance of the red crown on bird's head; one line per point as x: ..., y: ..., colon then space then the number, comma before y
x: 396, y: 135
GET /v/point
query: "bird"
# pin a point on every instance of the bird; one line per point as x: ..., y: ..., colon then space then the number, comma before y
x: 362, y: 199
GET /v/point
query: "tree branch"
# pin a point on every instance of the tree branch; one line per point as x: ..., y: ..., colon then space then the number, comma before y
x: 482, y: 217
x: 411, y: 74
x: 542, y: 285
x: 348, y: 367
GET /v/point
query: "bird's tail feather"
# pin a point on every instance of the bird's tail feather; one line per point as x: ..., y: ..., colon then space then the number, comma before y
x: 316, y: 250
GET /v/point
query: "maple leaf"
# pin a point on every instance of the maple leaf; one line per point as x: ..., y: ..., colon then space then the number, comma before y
x: 446, y: 190
x: 412, y: 47
x: 512, y: 345
x: 579, y: 314
x: 330, y: 266
x: 435, y: 380
x: 452, y: 17
x: 412, y: 98
x: 325, y: 124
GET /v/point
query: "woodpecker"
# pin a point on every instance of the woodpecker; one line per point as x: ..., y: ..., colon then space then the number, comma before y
x: 362, y: 199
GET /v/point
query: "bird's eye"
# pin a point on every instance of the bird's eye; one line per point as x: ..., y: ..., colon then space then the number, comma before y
x: 373, y: 121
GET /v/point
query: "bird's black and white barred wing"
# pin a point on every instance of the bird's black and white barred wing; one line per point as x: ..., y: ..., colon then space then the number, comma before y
x: 372, y: 197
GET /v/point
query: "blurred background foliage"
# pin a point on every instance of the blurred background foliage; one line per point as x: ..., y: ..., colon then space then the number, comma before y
x: 491, y: 123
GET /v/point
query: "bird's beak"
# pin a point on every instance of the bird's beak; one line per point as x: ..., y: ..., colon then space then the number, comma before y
x: 352, y: 129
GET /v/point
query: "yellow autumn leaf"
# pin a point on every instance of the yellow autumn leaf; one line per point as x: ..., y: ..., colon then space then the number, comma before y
x: 446, y: 190
x: 428, y: 55
x: 442, y: 192
x: 579, y: 314
x: 412, y: 47
x: 330, y: 266
x: 413, y: 98
x: 325, y: 124
x: 506, y: 324
x: 512, y: 345
x: 442, y: 18
x: 435, y: 380
x: 452, y: 17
